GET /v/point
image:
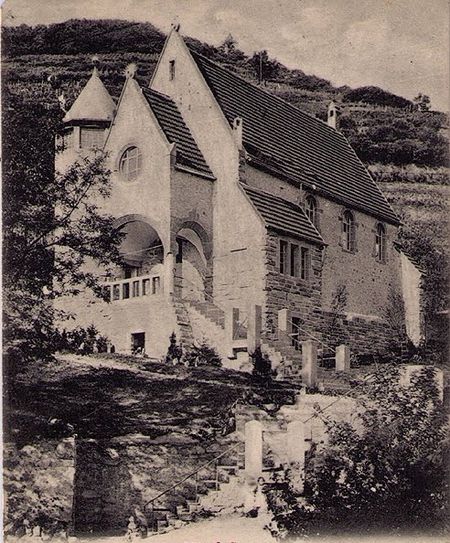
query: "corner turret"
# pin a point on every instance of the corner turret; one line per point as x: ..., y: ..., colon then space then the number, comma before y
x: 88, y: 120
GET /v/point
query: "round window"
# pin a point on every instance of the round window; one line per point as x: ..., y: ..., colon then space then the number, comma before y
x: 130, y: 163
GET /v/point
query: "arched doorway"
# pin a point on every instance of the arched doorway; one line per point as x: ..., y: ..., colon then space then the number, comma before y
x: 192, y: 266
x: 141, y: 248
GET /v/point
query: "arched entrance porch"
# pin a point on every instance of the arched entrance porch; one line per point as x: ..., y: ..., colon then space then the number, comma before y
x: 193, y: 278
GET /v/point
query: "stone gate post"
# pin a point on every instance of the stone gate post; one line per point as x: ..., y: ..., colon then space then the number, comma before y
x: 296, y: 450
x: 254, y: 328
x: 253, y: 448
x: 309, y: 363
x: 342, y: 358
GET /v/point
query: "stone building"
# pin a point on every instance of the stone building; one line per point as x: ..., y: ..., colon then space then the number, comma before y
x: 231, y: 199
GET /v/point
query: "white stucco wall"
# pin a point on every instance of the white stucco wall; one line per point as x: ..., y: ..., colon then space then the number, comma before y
x: 149, y: 194
x: 411, y: 281
x: 237, y: 229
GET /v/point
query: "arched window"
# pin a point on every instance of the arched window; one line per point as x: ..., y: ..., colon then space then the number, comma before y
x: 348, y: 231
x: 311, y: 209
x: 130, y: 163
x: 380, y: 243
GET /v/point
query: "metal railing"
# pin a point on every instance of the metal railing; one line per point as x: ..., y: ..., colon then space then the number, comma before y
x: 192, y: 474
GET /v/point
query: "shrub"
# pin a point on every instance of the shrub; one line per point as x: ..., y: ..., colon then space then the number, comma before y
x: 262, y: 366
x: 175, y: 351
x: 202, y: 355
x: 80, y: 340
x: 386, y: 468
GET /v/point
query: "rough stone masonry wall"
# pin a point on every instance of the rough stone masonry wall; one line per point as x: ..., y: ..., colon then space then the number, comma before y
x: 38, y: 482
x: 363, y: 336
x: 116, y: 476
x: 302, y: 297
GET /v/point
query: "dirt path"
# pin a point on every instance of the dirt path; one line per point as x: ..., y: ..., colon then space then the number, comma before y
x: 232, y: 529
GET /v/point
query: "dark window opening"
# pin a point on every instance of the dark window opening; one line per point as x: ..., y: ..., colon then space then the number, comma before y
x: 294, y: 261
x: 304, y: 267
x: 283, y: 256
x: 171, y: 70
x: 125, y: 291
x: 348, y: 231
x: 380, y: 243
x: 138, y: 343
x: 295, y: 334
x: 311, y: 210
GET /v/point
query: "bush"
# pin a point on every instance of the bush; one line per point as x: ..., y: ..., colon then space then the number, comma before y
x: 175, y: 351
x: 81, y: 340
x: 385, y: 469
x: 262, y: 366
x: 202, y: 355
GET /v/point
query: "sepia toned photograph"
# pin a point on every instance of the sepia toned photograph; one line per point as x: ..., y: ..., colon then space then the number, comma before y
x: 225, y: 266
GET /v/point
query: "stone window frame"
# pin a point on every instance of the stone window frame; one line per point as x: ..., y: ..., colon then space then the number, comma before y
x: 353, y: 248
x: 294, y: 247
x: 140, y: 159
x: 380, y: 258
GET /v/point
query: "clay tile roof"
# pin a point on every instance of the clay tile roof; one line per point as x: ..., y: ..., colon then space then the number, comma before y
x: 294, y: 144
x: 93, y: 103
x: 176, y: 131
x: 282, y: 215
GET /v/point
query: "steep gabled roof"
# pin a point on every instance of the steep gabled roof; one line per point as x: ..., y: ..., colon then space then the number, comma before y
x: 282, y: 215
x: 293, y: 144
x: 176, y: 131
x: 94, y: 103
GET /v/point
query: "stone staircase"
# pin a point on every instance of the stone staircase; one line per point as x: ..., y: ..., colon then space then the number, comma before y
x: 211, y: 493
x: 285, y: 358
x: 208, y: 322
x: 210, y: 311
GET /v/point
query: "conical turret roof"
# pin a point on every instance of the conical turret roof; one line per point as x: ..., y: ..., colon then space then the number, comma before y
x: 94, y: 102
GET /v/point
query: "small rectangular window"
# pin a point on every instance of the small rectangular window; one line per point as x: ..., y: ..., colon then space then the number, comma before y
x: 135, y: 289
x: 91, y: 138
x: 145, y: 287
x: 293, y: 268
x: 125, y: 291
x: 304, y: 265
x: 283, y: 256
x: 116, y: 292
x: 156, y: 284
x: 172, y: 70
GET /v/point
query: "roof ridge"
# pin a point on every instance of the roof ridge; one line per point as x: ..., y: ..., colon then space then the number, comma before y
x: 264, y: 91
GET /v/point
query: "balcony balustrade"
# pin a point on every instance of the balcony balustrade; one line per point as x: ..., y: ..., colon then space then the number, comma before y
x: 134, y: 287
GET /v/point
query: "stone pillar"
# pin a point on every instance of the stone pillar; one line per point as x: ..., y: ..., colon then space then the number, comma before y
x: 253, y: 448
x: 229, y: 326
x: 284, y: 318
x: 296, y: 441
x: 296, y: 450
x: 169, y: 265
x: 254, y: 328
x: 343, y: 358
x: 309, y: 363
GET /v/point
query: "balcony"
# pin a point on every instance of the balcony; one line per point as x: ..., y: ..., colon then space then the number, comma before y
x: 134, y: 287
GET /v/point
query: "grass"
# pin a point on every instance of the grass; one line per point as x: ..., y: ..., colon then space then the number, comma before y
x: 110, y: 401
